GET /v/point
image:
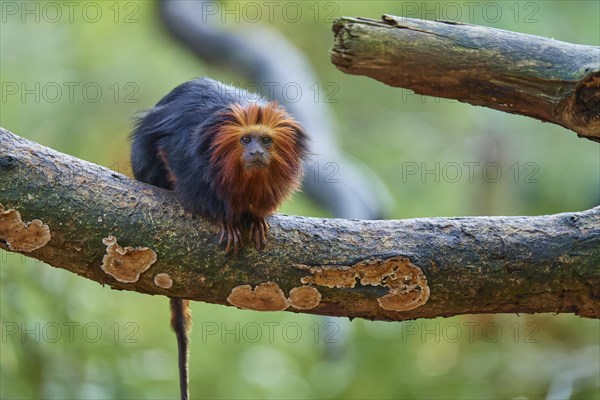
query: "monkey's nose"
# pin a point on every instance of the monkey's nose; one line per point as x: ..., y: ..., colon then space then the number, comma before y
x: 257, y: 153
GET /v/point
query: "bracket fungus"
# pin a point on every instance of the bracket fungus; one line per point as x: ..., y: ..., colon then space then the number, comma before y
x: 304, y: 297
x: 163, y: 280
x: 125, y: 264
x: 407, y: 283
x: 16, y: 235
x: 265, y: 297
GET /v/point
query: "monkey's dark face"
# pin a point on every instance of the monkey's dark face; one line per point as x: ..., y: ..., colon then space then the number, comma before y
x: 256, y: 150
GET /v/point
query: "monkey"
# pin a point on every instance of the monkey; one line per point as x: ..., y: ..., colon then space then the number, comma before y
x: 229, y: 155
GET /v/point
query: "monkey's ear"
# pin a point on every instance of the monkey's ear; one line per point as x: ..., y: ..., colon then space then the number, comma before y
x: 301, y: 137
x: 302, y: 141
x: 279, y: 117
x: 219, y: 121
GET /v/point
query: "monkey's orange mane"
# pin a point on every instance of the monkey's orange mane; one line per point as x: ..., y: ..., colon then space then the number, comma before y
x: 258, y: 190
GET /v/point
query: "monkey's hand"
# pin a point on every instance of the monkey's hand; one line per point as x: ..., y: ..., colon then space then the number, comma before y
x: 259, y: 228
x: 231, y: 233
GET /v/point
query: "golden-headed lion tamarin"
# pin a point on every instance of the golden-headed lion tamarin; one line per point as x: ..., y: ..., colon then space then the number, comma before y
x: 229, y: 155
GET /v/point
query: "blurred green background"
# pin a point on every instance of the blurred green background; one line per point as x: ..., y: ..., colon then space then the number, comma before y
x: 64, y: 337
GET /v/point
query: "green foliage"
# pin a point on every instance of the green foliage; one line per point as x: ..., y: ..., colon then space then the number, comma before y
x: 65, y: 337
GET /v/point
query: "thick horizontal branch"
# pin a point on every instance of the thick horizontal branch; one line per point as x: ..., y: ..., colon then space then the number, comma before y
x: 538, y: 77
x: 471, y: 265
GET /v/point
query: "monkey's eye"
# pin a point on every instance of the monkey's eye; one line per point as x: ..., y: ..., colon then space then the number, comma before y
x: 266, y: 140
x: 246, y: 139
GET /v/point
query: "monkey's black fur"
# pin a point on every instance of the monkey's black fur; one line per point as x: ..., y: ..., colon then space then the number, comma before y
x: 171, y: 149
x: 180, y: 322
x: 229, y: 155
x: 181, y: 124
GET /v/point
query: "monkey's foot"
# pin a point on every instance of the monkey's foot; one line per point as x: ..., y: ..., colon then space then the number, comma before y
x: 259, y: 228
x: 232, y: 234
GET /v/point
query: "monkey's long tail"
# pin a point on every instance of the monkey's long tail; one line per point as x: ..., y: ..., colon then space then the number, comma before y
x: 181, y: 322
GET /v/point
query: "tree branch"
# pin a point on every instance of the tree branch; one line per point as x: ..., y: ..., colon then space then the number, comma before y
x: 530, y: 75
x: 370, y: 269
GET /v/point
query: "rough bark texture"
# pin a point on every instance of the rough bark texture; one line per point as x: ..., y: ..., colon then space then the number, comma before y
x: 538, y: 77
x: 472, y: 265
